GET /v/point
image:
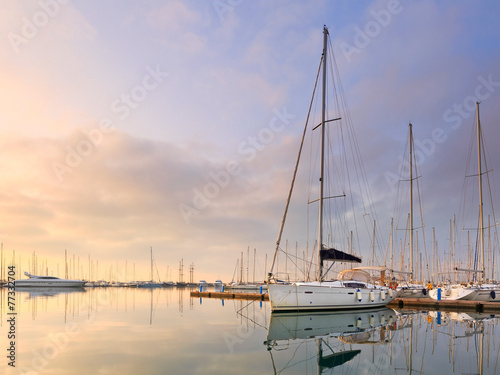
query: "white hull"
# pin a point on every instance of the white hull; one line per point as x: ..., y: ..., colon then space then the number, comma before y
x: 31, y: 283
x: 412, y: 292
x: 455, y: 294
x: 487, y: 295
x: 326, y: 296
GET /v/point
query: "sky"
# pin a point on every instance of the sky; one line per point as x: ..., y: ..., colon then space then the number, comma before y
x: 174, y: 125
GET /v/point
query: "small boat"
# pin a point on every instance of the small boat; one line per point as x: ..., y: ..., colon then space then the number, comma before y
x: 454, y: 292
x: 412, y: 291
x: 47, y: 281
x: 150, y: 284
x: 218, y: 283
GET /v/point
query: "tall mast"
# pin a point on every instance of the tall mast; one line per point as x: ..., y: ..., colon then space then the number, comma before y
x: 481, y: 226
x: 392, y: 243
x: 322, y: 165
x: 151, y: 253
x: 411, y: 202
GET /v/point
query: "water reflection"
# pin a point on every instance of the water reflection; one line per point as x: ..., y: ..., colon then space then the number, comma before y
x: 132, y: 330
x: 40, y: 292
x: 336, y: 336
x: 383, y: 341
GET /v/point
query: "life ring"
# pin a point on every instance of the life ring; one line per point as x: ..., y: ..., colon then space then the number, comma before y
x: 493, y: 294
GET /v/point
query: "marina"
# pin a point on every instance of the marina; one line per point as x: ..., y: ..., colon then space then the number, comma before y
x: 249, y: 187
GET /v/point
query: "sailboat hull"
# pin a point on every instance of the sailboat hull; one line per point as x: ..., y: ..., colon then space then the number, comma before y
x: 487, y: 294
x: 413, y: 292
x: 455, y: 294
x: 322, y: 296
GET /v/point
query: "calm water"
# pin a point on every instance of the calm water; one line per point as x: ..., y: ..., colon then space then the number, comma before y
x: 164, y: 331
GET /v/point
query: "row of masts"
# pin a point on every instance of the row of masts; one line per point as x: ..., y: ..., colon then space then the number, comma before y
x: 75, y: 268
x: 475, y: 262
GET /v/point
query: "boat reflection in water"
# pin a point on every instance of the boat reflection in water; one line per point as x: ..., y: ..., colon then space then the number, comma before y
x: 35, y: 292
x: 290, y: 331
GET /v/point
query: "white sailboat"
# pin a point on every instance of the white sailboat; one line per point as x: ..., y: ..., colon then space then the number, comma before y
x: 478, y: 291
x: 412, y: 289
x: 354, y: 288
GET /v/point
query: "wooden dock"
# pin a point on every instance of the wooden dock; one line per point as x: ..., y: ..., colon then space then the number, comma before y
x: 230, y: 295
x: 451, y: 306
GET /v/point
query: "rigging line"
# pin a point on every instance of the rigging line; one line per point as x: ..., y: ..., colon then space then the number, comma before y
x: 296, y: 167
x: 421, y: 211
x: 400, y: 201
x: 355, y: 156
x: 298, y: 258
x: 250, y: 319
x: 293, y: 356
x: 360, y: 171
x: 312, y: 161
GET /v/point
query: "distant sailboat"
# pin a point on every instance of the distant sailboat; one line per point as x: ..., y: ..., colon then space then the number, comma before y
x: 412, y: 289
x: 181, y: 283
x: 151, y: 283
x: 241, y: 285
x: 354, y: 288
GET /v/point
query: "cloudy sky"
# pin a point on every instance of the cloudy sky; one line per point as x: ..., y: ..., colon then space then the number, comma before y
x: 175, y: 124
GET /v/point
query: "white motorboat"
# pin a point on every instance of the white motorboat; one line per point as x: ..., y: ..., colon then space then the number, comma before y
x: 47, y: 281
